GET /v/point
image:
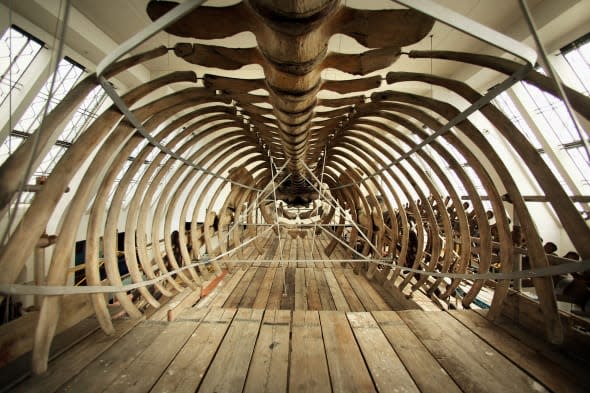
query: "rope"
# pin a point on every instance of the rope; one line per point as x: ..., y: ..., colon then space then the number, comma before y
x: 23, y: 289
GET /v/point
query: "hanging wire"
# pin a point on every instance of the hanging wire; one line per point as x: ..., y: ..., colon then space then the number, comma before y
x: 34, y: 151
x: 264, y: 193
x: 10, y: 212
x: 431, y: 73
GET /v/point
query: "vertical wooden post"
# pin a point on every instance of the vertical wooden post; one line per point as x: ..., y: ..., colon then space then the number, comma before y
x: 517, y: 240
x: 39, y: 271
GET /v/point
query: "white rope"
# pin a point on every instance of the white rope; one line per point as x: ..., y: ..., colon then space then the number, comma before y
x: 47, y: 290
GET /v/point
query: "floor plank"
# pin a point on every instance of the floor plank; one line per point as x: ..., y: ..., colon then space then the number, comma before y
x: 380, y: 303
x: 236, y: 295
x: 386, y: 368
x: 224, y: 289
x: 250, y: 295
x: 161, y: 314
x: 272, y: 248
x: 550, y: 373
x: 324, y: 290
x: 337, y: 295
x: 269, y: 367
x: 19, y: 369
x: 386, y: 296
x: 264, y: 291
x: 566, y: 358
x: 143, y: 373
x: 188, y: 368
x: 313, y: 294
x: 301, y: 253
x: 293, y: 252
x: 348, y: 371
x: 109, y: 366
x: 69, y: 364
x: 229, y: 368
x: 250, y: 350
x: 357, y: 285
x: 474, y: 365
x: 351, y: 298
x: 309, y: 367
x: 288, y: 301
x: 276, y: 292
x: 426, y: 371
x: 300, y: 290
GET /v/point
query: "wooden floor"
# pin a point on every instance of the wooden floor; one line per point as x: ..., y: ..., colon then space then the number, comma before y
x: 330, y: 331
x: 300, y: 288
x: 253, y: 350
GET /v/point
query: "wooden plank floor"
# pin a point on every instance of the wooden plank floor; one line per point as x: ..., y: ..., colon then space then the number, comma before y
x: 300, y: 288
x: 255, y: 350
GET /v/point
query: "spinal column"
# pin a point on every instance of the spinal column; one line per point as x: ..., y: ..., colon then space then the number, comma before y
x: 294, y: 41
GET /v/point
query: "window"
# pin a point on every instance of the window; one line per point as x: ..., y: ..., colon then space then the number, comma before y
x: 552, y: 119
x: 577, y: 56
x: 506, y: 105
x: 18, y: 49
x: 68, y: 73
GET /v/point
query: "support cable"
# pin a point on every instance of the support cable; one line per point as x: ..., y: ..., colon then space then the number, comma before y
x: 118, y: 101
x: 247, y: 211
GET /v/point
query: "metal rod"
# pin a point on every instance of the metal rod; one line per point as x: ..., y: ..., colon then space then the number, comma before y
x: 274, y: 191
x: 247, y: 211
